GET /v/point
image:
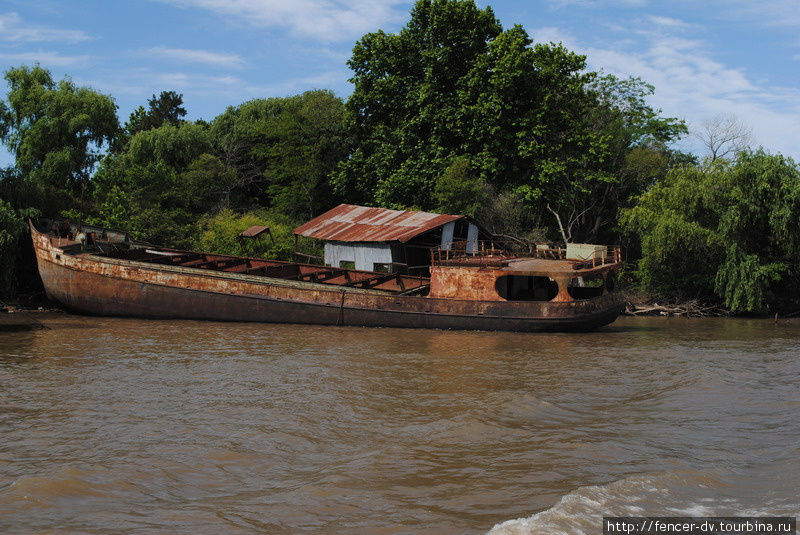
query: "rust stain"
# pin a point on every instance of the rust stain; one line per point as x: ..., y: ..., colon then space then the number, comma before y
x: 351, y: 223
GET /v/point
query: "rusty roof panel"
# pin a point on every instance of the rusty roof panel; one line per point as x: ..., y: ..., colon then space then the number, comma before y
x: 253, y: 231
x: 351, y: 223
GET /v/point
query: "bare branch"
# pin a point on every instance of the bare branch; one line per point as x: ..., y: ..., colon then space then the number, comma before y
x: 560, y: 225
x: 724, y: 135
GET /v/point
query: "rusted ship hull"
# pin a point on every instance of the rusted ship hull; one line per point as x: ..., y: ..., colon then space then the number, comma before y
x: 114, y: 287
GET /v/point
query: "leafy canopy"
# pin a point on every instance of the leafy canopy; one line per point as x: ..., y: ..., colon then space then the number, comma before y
x: 284, y: 149
x: 727, y: 229
x: 167, y: 108
x: 57, y: 132
x: 529, y: 121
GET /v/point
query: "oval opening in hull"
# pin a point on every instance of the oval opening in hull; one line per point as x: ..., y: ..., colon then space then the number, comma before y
x: 526, y: 288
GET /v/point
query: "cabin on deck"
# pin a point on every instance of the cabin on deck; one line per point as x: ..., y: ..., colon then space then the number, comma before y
x: 392, y: 241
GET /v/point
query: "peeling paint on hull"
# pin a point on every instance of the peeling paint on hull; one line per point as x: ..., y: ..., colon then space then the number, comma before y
x: 112, y: 287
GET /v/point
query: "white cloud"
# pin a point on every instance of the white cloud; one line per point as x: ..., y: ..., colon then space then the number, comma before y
x: 315, y: 81
x: 691, y: 85
x: 185, y: 81
x: 325, y: 20
x: 551, y: 34
x: 12, y: 28
x: 145, y: 81
x: 197, y: 56
x: 774, y: 13
x: 558, y: 4
x: 46, y: 59
x: 669, y: 22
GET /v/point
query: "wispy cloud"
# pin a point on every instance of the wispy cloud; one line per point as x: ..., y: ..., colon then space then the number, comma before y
x: 294, y: 85
x: 551, y: 34
x: 14, y: 29
x: 692, y: 85
x: 186, y: 55
x: 182, y: 80
x: 774, y: 13
x: 558, y: 4
x: 691, y: 82
x: 46, y: 59
x: 324, y: 20
x: 144, y: 81
x: 669, y: 22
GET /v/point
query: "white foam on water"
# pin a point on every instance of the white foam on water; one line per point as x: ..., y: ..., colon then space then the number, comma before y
x: 582, y: 510
x: 682, y: 493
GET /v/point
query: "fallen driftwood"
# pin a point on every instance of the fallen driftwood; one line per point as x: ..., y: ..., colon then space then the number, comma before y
x: 691, y: 308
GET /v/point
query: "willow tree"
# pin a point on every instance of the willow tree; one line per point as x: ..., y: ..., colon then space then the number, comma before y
x: 727, y: 230
x: 57, y: 132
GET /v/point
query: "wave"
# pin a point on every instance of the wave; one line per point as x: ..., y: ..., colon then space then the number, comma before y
x: 682, y: 493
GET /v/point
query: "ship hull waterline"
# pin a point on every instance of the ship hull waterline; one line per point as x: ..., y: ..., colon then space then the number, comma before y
x: 111, y: 287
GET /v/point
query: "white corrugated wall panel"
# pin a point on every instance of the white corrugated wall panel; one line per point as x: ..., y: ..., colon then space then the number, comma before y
x: 447, y: 234
x: 364, y: 255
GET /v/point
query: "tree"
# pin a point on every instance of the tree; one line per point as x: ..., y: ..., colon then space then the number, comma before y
x: 409, y: 109
x: 167, y: 108
x: 724, y: 135
x: 530, y: 119
x: 220, y: 233
x: 460, y: 191
x: 726, y: 230
x: 159, y: 186
x: 57, y: 132
x: 12, y: 225
x: 630, y: 155
x: 284, y: 149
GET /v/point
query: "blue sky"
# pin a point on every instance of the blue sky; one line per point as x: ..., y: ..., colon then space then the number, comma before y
x: 704, y: 58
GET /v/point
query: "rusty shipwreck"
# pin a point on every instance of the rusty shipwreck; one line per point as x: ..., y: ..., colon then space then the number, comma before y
x: 466, y: 284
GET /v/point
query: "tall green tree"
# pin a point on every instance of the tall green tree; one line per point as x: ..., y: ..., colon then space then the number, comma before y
x: 162, y: 183
x: 166, y: 108
x: 531, y: 121
x: 12, y: 227
x: 727, y: 229
x: 284, y: 149
x: 57, y: 132
x: 630, y: 154
x: 411, y: 102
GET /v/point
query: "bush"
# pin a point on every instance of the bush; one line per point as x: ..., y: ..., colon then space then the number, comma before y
x: 220, y: 234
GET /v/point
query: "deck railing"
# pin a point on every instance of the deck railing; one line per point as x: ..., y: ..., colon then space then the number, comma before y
x: 487, y: 253
x: 471, y: 253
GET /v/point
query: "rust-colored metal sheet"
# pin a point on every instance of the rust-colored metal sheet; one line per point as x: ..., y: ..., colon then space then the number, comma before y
x: 351, y: 223
x: 253, y: 231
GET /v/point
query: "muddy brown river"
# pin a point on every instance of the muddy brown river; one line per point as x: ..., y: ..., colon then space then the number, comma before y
x: 183, y: 427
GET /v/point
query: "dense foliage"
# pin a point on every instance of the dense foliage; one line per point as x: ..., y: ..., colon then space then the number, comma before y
x: 726, y: 229
x: 283, y: 150
x: 453, y: 113
x: 453, y: 87
x: 57, y: 132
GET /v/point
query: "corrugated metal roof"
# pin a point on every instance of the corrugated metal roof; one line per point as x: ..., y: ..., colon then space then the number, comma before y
x: 351, y: 223
x: 253, y: 231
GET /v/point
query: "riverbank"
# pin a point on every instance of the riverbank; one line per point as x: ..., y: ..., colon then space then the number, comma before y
x: 28, y: 303
x: 643, y: 304
x: 639, y: 304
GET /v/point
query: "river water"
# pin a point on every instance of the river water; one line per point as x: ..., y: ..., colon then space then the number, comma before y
x: 129, y: 426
